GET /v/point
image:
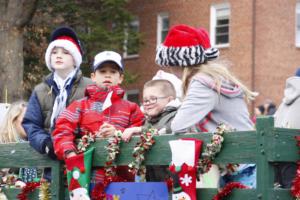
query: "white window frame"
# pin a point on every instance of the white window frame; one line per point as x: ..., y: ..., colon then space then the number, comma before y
x: 297, y: 25
x: 160, y: 18
x: 135, y: 22
x: 213, y: 22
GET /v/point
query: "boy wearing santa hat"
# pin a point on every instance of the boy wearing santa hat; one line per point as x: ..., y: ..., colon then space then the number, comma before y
x: 62, y: 86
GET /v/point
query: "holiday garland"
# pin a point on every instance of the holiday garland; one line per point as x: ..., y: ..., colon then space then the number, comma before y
x: 295, y: 189
x: 29, y: 187
x: 211, y: 150
x: 209, y: 154
x: 45, y: 193
x: 113, y: 149
x: 85, y: 141
x: 146, y: 141
x: 136, y: 166
x: 228, y: 189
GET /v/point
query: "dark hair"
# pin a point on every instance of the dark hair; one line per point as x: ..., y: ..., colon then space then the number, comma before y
x: 271, y: 109
x: 107, y: 62
x: 261, y: 108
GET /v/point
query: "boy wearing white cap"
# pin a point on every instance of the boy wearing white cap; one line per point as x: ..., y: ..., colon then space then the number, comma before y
x: 62, y: 86
x: 103, y: 110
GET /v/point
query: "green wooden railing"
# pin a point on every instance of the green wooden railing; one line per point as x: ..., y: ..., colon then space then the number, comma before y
x: 263, y: 147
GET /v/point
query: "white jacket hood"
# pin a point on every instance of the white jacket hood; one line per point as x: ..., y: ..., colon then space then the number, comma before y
x: 292, y: 90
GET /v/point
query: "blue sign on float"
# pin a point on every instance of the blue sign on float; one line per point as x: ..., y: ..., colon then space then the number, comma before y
x: 137, y: 191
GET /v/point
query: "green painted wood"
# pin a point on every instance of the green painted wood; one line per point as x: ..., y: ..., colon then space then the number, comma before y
x: 285, y: 148
x: 279, y: 194
x: 22, y: 155
x: 238, y: 148
x: 263, y: 147
x: 238, y: 194
x: 11, y: 194
x: 265, y: 172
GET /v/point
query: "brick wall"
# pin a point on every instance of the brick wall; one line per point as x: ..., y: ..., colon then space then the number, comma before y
x: 262, y: 40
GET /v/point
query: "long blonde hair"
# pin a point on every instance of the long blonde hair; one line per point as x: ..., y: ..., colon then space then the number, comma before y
x: 219, y: 72
x: 8, y: 131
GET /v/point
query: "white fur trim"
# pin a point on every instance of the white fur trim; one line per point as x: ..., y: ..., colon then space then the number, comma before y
x: 183, y: 151
x: 184, y: 56
x: 67, y: 45
x: 76, y: 175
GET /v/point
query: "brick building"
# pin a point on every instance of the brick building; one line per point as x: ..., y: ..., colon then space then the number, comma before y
x: 259, y: 37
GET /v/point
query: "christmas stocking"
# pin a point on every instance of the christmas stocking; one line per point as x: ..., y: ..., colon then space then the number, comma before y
x: 185, y: 154
x: 79, y: 174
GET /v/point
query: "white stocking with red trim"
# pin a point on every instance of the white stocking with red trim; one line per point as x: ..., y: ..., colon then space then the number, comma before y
x: 185, y: 155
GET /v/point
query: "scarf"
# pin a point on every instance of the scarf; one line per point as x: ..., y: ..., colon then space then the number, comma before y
x: 61, y: 98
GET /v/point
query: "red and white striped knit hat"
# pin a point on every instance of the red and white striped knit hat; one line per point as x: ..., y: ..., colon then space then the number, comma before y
x: 185, y: 46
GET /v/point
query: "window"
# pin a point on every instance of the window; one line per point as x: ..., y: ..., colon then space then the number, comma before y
x: 162, y: 27
x: 219, y: 29
x: 298, y: 25
x: 133, y: 96
x: 131, y: 43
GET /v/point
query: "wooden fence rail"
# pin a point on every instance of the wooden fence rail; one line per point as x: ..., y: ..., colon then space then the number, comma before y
x: 264, y: 146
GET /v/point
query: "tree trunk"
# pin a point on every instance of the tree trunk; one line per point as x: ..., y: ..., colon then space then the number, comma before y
x: 15, y: 14
x: 11, y: 56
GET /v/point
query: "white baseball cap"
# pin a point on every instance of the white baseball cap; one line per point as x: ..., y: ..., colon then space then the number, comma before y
x: 106, y: 56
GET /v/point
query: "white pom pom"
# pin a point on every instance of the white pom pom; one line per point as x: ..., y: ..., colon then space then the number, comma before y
x: 76, y: 175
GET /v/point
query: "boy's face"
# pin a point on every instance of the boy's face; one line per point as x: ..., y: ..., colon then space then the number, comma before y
x: 61, y: 60
x: 154, y: 101
x: 107, y: 75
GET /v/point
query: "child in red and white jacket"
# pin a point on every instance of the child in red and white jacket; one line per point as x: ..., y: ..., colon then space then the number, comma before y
x: 103, y: 111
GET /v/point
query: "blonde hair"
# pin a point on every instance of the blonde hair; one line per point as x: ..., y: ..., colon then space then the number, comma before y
x: 219, y: 72
x: 165, y: 86
x: 8, y: 132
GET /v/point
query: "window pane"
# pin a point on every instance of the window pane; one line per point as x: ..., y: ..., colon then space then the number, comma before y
x: 220, y: 30
x: 222, y: 21
x: 132, y: 42
x: 165, y: 23
x: 222, y: 39
x: 298, y: 20
x: 297, y: 27
x: 163, y: 35
x: 222, y: 12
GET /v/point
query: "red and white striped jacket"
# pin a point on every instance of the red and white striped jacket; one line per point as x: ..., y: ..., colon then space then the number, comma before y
x: 86, y: 116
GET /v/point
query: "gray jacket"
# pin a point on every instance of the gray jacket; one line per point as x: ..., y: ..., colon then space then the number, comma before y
x: 204, y: 108
x: 288, y: 113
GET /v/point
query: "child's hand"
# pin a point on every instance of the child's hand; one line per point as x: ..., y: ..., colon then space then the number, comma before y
x: 107, y: 130
x: 128, y: 132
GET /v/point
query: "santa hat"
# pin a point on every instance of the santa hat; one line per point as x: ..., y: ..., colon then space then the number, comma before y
x: 66, y: 38
x: 74, y: 184
x: 185, y: 46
